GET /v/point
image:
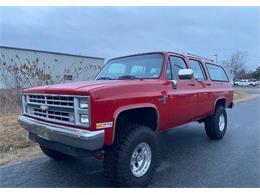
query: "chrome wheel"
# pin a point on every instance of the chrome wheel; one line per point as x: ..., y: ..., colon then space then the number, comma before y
x: 141, y: 159
x: 221, y: 122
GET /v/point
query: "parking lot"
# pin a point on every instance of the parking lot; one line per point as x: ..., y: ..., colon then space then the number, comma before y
x: 188, y: 159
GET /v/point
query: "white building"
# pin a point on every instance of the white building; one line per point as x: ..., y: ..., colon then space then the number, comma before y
x: 27, y: 67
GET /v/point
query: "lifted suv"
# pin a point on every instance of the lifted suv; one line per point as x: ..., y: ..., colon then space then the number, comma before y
x: 119, y: 114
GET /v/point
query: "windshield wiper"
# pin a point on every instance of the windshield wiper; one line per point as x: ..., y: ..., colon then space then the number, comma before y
x: 127, y: 77
x: 104, y: 78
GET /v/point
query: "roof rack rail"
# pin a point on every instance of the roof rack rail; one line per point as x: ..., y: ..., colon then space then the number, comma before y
x: 190, y: 54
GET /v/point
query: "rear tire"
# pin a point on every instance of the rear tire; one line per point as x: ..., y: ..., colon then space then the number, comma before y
x: 216, y: 125
x: 122, y: 162
x: 54, y: 154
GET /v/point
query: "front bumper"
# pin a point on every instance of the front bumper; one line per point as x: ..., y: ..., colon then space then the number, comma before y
x: 78, y: 138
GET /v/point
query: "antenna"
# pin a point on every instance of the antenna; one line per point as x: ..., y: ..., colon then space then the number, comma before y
x: 190, y: 54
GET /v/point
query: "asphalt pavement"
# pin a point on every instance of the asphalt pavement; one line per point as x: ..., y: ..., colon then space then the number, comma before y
x: 188, y: 159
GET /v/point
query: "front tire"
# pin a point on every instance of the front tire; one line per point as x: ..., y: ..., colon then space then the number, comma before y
x: 216, y: 125
x: 132, y: 159
x: 54, y: 154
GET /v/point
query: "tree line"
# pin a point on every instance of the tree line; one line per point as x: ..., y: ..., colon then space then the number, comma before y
x: 237, y: 66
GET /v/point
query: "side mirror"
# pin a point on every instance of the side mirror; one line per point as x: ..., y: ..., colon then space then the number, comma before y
x: 185, y: 74
x: 174, y: 84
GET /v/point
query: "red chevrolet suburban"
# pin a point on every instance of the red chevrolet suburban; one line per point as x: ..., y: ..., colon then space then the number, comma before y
x: 118, y: 116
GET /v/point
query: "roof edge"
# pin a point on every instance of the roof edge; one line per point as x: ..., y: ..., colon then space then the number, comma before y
x: 50, y: 52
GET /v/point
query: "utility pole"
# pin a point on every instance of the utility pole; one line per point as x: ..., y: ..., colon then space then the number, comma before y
x: 216, y: 56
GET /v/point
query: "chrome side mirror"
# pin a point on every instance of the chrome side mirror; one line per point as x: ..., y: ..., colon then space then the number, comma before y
x: 185, y: 74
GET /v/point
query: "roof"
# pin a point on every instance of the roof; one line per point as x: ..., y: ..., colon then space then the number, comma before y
x: 170, y: 52
x: 50, y: 52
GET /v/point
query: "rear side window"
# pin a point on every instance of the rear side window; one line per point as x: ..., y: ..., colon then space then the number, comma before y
x: 197, y: 70
x: 217, y: 73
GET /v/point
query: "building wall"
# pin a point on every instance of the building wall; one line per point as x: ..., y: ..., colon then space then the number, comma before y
x: 51, y: 67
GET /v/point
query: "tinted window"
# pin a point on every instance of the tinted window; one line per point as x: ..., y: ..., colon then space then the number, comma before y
x: 177, y: 63
x: 197, y: 70
x: 217, y: 73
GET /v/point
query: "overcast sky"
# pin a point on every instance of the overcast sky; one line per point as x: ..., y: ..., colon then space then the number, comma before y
x: 115, y: 31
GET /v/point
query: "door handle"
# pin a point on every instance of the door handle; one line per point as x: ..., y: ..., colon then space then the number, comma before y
x: 209, y: 84
x: 191, y: 84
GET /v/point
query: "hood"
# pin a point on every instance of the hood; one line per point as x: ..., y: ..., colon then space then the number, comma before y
x: 76, y: 88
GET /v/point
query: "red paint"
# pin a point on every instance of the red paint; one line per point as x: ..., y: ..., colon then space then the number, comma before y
x: 184, y: 104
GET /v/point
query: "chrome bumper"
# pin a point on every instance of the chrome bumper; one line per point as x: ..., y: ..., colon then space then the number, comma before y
x: 78, y: 138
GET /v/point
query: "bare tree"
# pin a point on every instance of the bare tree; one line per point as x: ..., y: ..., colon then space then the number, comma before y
x: 236, y: 63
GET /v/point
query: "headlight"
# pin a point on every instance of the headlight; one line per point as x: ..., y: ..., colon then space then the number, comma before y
x: 83, y: 103
x: 84, y: 119
x: 83, y: 111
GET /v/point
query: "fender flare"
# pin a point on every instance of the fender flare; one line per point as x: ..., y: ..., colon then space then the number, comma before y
x: 222, y: 97
x: 130, y: 107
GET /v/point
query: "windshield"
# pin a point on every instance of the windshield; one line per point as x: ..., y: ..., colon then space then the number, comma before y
x: 147, y: 66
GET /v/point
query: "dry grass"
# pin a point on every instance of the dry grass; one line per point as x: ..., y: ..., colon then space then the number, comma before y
x: 12, y: 135
x: 10, y: 100
x: 240, y: 96
x: 22, y: 154
x: 14, y: 144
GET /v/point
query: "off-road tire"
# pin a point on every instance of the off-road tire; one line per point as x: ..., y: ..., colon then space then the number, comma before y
x: 212, y: 126
x: 54, y: 154
x: 117, y: 157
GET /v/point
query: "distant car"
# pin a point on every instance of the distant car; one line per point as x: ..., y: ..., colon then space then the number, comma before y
x: 245, y: 82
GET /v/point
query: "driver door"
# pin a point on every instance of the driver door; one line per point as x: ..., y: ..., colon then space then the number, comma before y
x: 182, y: 97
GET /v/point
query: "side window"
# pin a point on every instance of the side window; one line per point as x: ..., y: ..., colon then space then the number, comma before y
x: 198, y: 71
x: 217, y: 73
x: 177, y: 63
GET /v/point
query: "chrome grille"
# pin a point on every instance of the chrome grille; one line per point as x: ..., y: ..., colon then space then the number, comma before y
x: 57, y: 108
x: 55, y: 115
x: 60, y: 101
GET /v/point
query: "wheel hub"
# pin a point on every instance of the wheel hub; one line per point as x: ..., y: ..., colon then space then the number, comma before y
x: 141, y: 159
x: 221, y: 122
